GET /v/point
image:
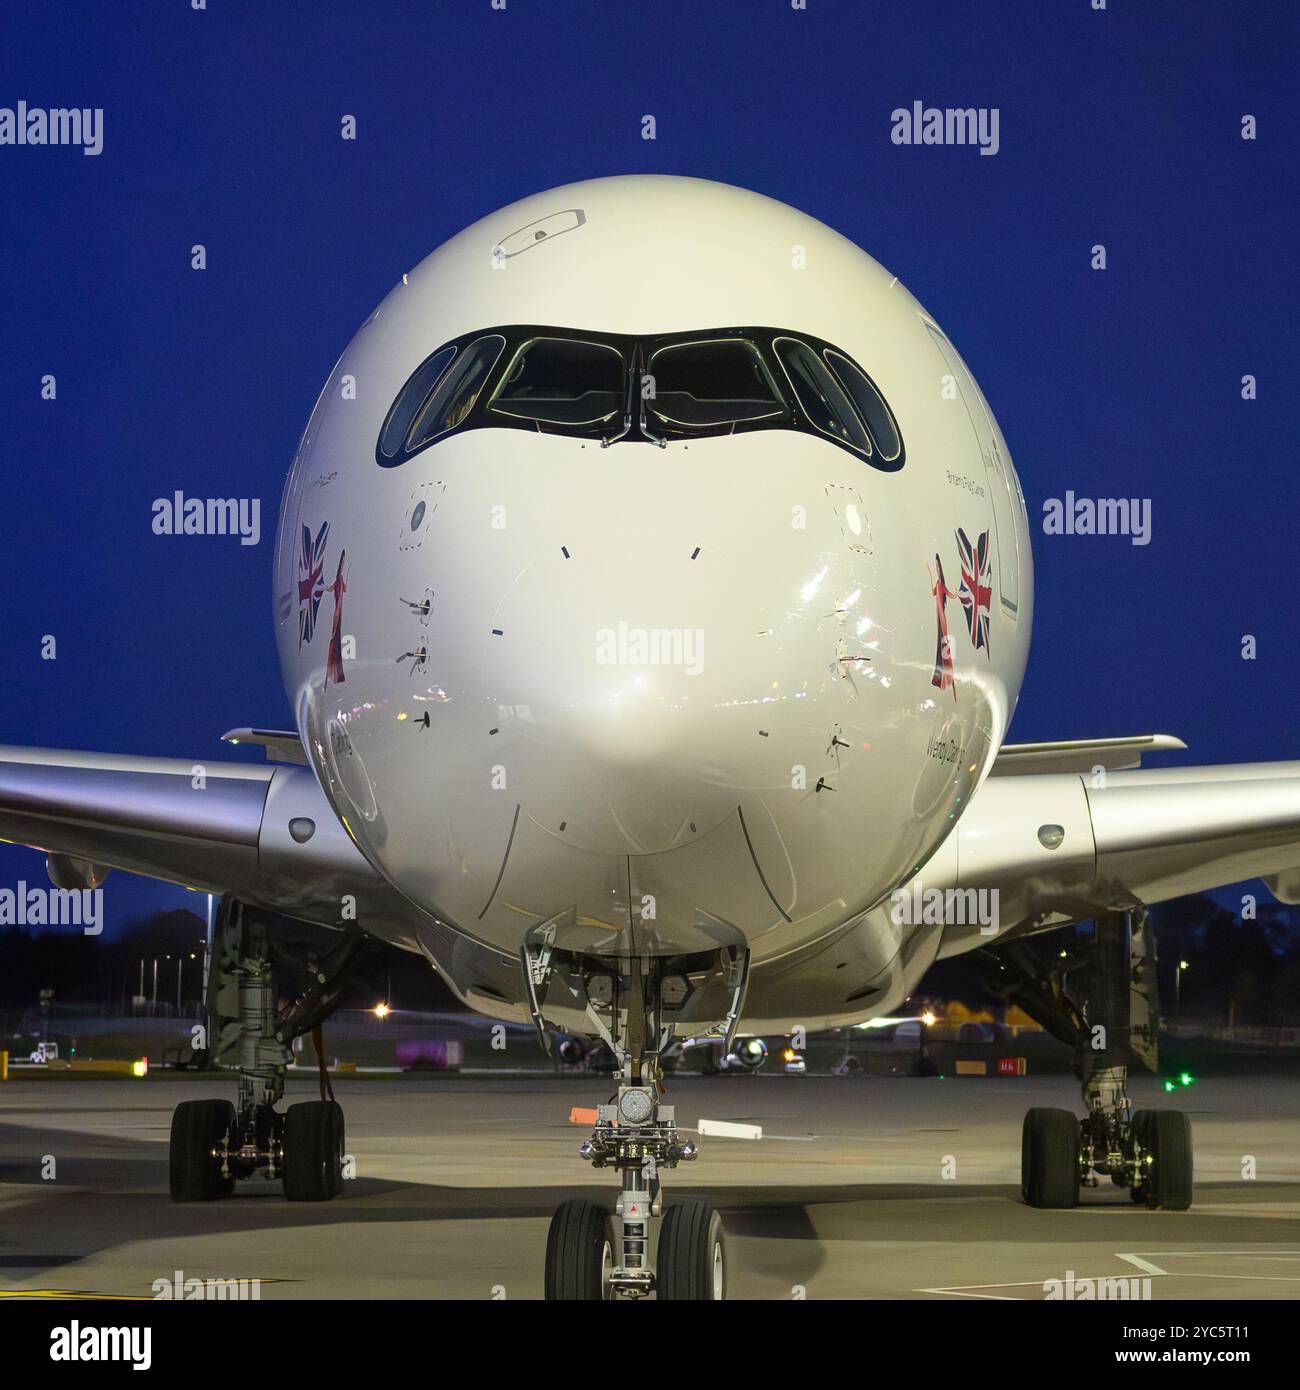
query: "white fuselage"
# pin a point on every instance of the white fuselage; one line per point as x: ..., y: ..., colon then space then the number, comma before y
x: 669, y: 695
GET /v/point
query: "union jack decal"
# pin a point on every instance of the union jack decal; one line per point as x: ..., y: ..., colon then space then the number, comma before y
x: 311, y: 580
x: 976, y: 590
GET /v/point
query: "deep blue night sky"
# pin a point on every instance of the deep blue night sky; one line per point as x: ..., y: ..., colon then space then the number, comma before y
x: 223, y: 127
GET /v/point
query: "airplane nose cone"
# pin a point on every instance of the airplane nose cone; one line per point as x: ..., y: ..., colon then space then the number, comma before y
x: 619, y: 662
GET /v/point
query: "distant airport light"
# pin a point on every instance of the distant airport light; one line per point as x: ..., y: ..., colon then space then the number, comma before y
x: 928, y: 1018
x: 381, y: 1010
x: 140, y: 1068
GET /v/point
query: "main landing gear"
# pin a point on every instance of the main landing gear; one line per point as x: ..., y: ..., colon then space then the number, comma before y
x: 642, y: 1246
x: 214, y: 1142
x: 1147, y: 1151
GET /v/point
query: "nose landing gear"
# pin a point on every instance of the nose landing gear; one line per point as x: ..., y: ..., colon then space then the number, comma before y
x: 591, y: 1252
x: 636, y: 1135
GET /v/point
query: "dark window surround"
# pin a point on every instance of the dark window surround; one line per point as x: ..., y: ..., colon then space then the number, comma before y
x: 637, y: 349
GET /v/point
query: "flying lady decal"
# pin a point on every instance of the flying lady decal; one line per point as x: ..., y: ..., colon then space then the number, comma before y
x: 942, y: 677
x: 334, y: 661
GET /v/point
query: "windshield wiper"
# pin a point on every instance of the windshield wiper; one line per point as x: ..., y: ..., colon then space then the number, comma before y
x: 641, y: 424
x: 627, y: 407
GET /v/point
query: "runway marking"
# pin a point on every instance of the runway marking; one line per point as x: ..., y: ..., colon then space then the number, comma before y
x: 1261, y: 1253
x: 119, y: 1297
x: 966, y: 1290
x: 77, y: 1293
x: 1266, y: 1278
x: 995, y: 1297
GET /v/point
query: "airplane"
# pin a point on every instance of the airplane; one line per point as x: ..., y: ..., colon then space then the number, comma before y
x: 653, y: 591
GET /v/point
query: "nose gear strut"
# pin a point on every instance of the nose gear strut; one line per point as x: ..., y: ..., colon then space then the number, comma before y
x: 592, y: 1253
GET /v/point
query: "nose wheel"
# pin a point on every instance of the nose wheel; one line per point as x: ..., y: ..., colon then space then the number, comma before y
x: 692, y: 1260
x: 579, y: 1253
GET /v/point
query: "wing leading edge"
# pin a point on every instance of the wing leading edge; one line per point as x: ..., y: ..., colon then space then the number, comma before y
x: 1058, y: 848
x: 263, y: 833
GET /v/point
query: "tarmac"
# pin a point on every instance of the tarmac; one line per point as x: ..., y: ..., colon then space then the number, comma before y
x: 861, y: 1187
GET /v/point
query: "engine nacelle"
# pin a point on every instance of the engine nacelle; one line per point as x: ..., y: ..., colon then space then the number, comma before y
x: 749, y: 1053
x: 74, y: 875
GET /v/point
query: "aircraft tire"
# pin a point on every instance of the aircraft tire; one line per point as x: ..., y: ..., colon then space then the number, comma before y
x: 313, y: 1151
x: 1169, y: 1140
x: 579, y: 1253
x: 193, y: 1172
x: 692, y: 1262
x: 1049, y: 1158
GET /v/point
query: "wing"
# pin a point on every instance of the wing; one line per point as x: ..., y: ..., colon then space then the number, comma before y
x: 1080, y: 754
x: 264, y: 833
x: 1059, y: 847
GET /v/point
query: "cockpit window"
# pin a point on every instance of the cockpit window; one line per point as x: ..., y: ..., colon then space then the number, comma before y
x: 454, y: 395
x: 717, y: 382
x: 821, y: 397
x: 409, y: 399
x: 562, y: 381
x: 870, y: 403
x: 667, y: 388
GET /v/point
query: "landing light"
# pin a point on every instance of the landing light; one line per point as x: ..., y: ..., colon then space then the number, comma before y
x: 928, y: 1018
